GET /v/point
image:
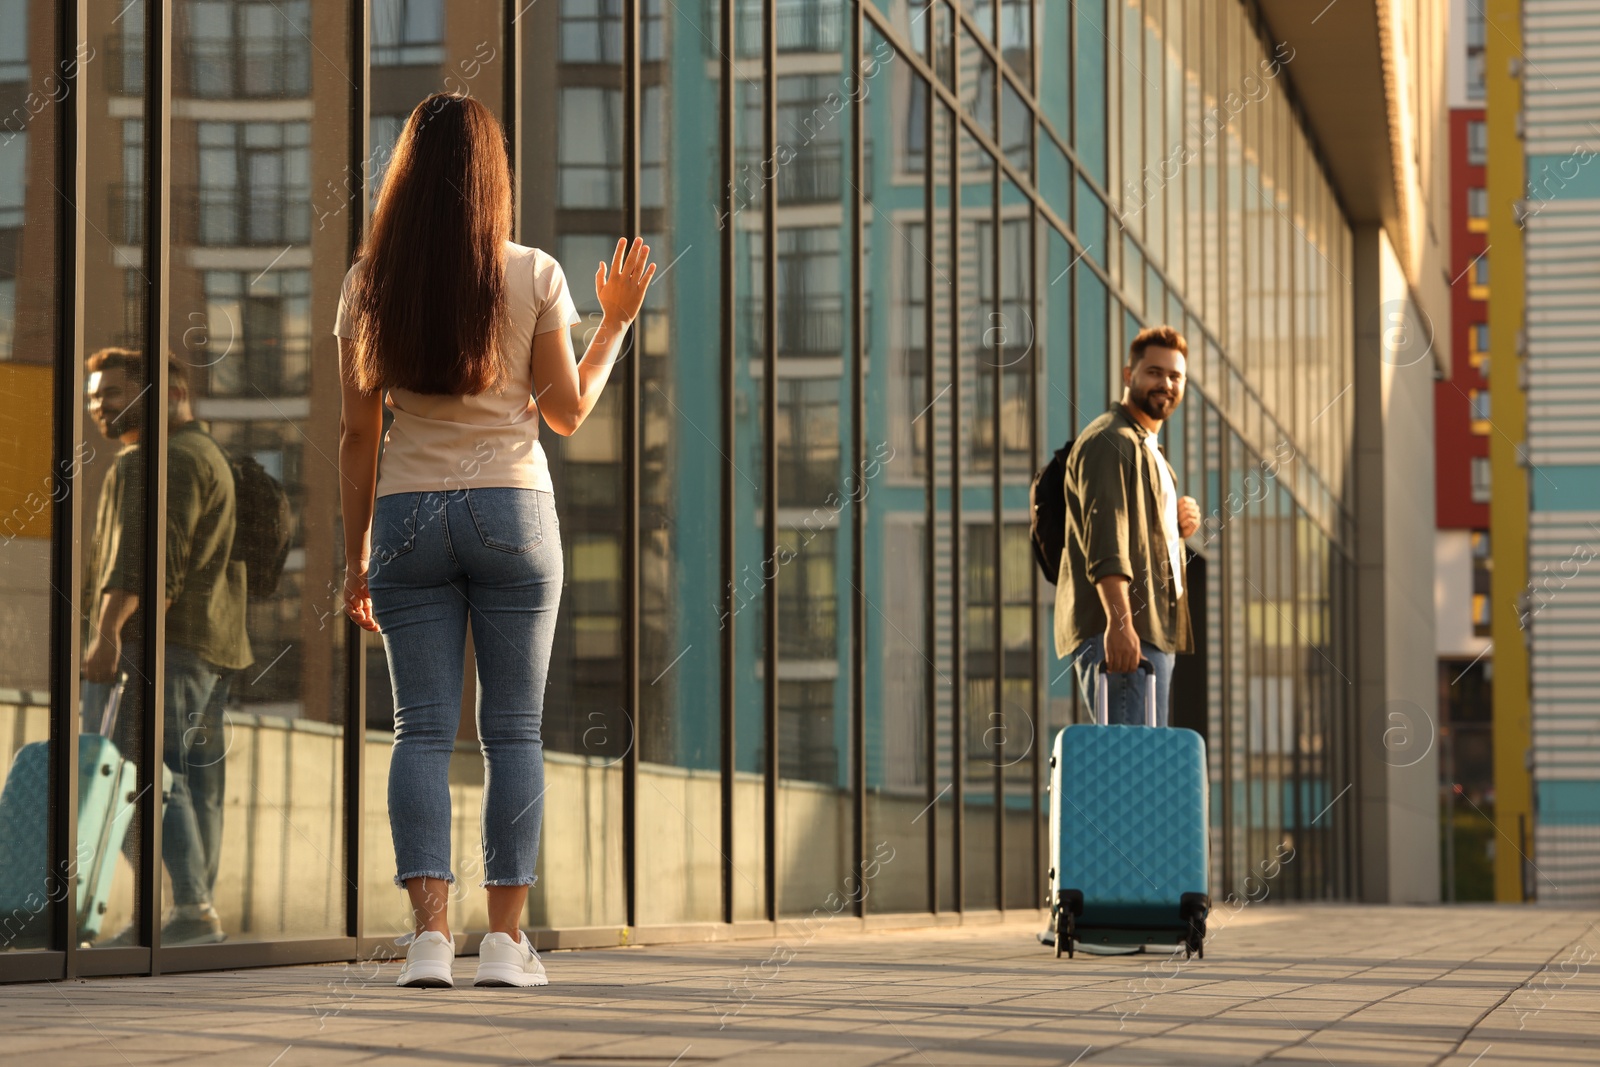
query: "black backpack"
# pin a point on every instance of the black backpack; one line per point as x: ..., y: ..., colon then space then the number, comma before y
x: 264, y: 527
x: 1047, y: 513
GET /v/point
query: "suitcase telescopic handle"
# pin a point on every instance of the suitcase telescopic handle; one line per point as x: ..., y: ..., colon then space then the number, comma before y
x: 113, y: 704
x: 1101, y: 713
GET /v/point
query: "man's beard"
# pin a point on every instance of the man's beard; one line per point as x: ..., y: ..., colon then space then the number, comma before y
x: 1150, y: 403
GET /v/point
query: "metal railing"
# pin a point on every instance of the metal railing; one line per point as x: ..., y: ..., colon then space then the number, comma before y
x: 801, y: 26
x: 234, y: 68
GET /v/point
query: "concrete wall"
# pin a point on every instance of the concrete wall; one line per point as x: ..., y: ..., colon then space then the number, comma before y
x: 1394, y: 509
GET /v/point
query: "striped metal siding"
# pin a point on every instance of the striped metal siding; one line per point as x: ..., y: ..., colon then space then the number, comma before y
x: 1563, y: 613
x: 1561, y: 130
x: 1563, y: 322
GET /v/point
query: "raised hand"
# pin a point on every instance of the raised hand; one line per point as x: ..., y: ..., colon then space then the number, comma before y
x: 621, y: 292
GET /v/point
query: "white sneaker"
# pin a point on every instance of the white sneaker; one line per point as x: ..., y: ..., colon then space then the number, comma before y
x: 428, y: 960
x: 503, y: 962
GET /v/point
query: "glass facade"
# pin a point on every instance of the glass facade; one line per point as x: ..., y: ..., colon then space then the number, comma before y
x: 804, y: 662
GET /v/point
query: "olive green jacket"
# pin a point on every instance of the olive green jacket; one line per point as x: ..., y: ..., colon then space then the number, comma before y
x: 1114, y: 504
x: 206, y: 587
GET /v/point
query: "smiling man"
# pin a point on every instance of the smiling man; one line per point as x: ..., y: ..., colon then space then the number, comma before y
x: 1120, y: 594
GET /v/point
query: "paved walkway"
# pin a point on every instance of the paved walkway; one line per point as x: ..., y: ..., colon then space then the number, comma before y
x: 1478, y: 986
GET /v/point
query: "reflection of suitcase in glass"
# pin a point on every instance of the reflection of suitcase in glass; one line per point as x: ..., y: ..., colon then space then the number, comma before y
x: 1129, y: 840
x: 106, y: 797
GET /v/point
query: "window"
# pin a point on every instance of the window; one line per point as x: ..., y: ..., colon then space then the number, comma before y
x: 808, y: 609
x: 1477, y: 203
x: 806, y: 749
x: 591, y: 31
x: 407, y: 32
x: 1478, y: 404
x: 1480, y: 479
x: 127, y: 196
x: 13, y: 177
x: 809, y: 123
x: 1480, y: 272
x: 1482, y: 571
x: 14, y: 43
x: 1475, y: 49
x: 1479, y: 335
x: 1477, y: 143
x: 589, y: 174
x: 247, y: 49
x: 810, y: 299
x: 807, y: 439
x: 254, y: 183
x: 263, y: 323
x: 8, y: 317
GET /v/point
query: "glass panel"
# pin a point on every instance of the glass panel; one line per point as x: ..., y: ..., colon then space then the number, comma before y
x: 1057, y: 408
x: 1237, y: 703
x: 417, y: 51
x: 111, y: 515
x: 977, y: 82
x: 1150, y: 179
x: 944, y: 49
x: 979, y: 369
x: 1016, y: 38
x: 1132, y: 194
x: 1056, y: 67
x: 749, y: 488
x: 818, y: 486
x: 679, y: 807
x: 1016, y: 743
x: 910, y: 21
x: 899, y: 395
x: 1090, y: 225
x: 1094, y: 342
x: 31, y: 481
x: 951, y: 398
x: 256, y: 692
x: 1055, y: 177
x: 572, y: 208
x: 1089, y: 89
x: 1016, y: 129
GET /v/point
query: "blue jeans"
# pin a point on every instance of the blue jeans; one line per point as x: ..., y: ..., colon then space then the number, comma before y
x: 492, y: 555
x: 1125, y: 693
x: 194, y: 750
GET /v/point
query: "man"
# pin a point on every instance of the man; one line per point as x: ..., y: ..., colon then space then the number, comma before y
x: 205, y: 621
x: 1120, y: 594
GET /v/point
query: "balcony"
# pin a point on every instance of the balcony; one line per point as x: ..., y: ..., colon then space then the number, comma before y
x: 236, y: 218
x: 247, y: 69
x: 801, y: 26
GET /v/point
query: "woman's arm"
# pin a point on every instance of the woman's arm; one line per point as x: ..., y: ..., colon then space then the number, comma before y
x: 566, y: 391
x: 360, y: 430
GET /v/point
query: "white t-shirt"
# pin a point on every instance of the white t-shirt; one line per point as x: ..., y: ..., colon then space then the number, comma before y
x: 1169, y: 515
x: 447, y: 443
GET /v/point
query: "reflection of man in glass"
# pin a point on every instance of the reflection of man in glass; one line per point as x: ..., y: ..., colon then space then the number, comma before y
x: 205, y: 605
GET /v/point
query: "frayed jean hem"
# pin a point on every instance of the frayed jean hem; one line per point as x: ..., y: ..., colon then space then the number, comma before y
x: 528, y: 881
x: 401, y: 879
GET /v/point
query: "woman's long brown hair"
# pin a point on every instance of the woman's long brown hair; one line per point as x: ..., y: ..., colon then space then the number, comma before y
x: 430, y: 300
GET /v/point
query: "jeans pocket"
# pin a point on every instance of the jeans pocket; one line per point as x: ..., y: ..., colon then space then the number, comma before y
x: 508, y: 520
x: 394, y: 526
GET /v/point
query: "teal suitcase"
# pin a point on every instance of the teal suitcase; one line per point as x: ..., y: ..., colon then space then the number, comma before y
x: 107, y: 785
x: 1129, y: 837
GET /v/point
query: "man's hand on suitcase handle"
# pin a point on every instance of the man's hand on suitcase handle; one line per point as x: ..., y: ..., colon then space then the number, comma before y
x: 1122, y: 643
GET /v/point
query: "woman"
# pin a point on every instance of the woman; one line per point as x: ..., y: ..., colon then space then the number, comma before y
x: 466, y: 334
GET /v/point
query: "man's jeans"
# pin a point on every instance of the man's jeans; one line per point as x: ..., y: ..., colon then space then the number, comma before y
x: 1125, y: 693
x: 195, y: 747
